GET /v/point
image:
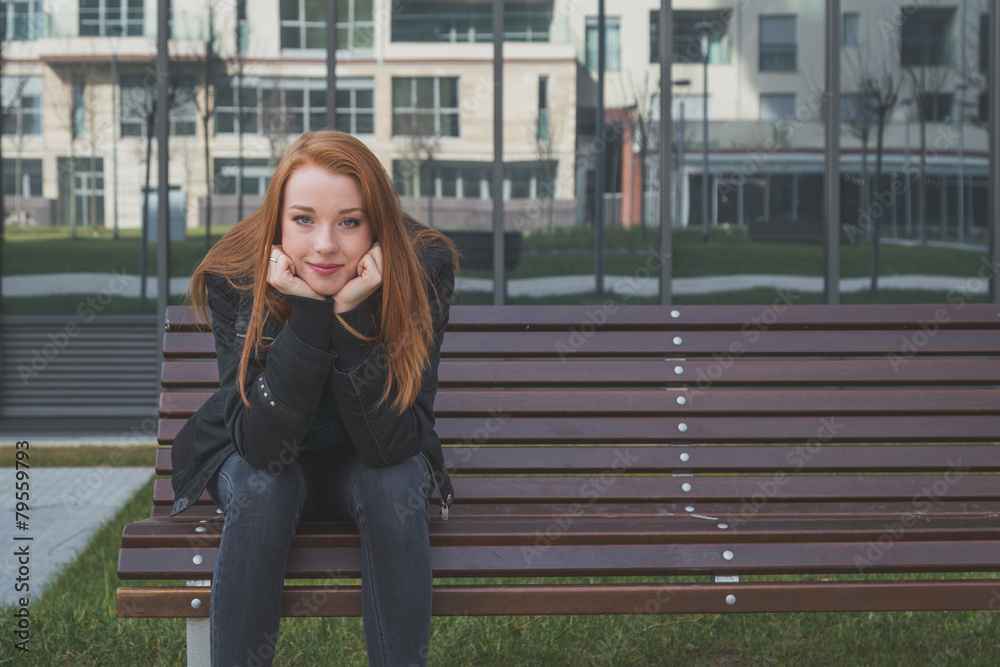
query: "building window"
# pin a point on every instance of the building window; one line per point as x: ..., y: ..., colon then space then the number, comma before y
x: 425, y: 106
x: 688, y: 29
x: 612, y: 44
x: 469, y: 21
x: 543, y: 108
x: 936, y: 107
x: 852, y: 29
x: 21, y: 21
x: 531, y: 180
x: 778, y: 47
x: 22, y: 178
x: 356, y: 105
x: 924, y: 36
x: 79, y: 107
x: 355, y: 25
x: 86, y: 187
x: 256, y: 175
x: 777, y: 106
x: 303, y: 24
x: 97, y: 15
x: 22, y: 105
x: 271, y: 106
x: 138, y: 102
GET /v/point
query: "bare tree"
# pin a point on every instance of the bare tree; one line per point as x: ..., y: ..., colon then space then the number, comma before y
x: 418, y: 155
x: 922, y: 53
x: 638, y: 96
x: 879, y: 83
x: 213, y: 76
x: 140, y: 102
x: 276, y: 124
x: 544, y: 137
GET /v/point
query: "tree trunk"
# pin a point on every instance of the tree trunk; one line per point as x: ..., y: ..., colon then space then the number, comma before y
x: 878, y: 181
x: 642, y: 192
x: 143, y: 249
x: 922, y: 214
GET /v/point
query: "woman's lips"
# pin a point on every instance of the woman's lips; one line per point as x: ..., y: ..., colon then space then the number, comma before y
x: 325, y: 269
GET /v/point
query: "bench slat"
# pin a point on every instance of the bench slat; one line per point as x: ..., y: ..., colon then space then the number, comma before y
x: 542, y: 344
x: 638, y: 403
x: 556, y: 599
x: 707, y: 458
x: 729, y: 511
x: 576, y: 529
x: 695, y: 373
x: 610, y: 489
x: 558, y: 560
x: 575, y: 430
x: 500, y: 318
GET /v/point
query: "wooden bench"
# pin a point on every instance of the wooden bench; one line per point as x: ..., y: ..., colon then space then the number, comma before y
x: 781, y: 443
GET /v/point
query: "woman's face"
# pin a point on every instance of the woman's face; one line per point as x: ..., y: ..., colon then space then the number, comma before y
x: 324, y: 230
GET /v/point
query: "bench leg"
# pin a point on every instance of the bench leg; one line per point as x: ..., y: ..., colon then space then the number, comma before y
x: 199, y: 646
x: 198, y: 650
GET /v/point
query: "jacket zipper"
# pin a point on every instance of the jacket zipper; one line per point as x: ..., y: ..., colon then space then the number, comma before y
x: 243, y: 335
x: 444, y: 501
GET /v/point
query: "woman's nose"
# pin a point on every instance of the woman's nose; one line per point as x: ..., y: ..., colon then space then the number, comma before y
x: 326, y: 242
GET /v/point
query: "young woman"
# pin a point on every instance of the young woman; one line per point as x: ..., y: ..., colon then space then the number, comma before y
x: 328, y: 308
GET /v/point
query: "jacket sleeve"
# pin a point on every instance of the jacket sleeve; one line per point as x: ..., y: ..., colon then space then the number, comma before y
x: 380, y: 435
x: 284, y: 391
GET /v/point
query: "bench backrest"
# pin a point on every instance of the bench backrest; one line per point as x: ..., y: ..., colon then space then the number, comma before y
x: 656, y: 407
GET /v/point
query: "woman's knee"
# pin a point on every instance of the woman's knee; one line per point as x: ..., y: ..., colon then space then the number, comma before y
x: 246, y: 488
x: 395, y: 496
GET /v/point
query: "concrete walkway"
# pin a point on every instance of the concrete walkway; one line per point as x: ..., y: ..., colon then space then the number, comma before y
x: 105, y: 285
x: 65, y: 507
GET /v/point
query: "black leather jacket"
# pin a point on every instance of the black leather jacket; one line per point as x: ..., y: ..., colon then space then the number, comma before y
x: 286, y: 380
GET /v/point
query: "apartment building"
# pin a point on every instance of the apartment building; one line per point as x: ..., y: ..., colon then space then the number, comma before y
x: 763, y: 62
x: 415, y: 82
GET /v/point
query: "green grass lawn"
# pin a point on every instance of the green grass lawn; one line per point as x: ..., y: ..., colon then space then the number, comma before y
x: 74, y: 624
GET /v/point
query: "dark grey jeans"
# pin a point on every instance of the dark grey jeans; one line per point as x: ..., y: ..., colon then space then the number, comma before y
x: 262, y: 510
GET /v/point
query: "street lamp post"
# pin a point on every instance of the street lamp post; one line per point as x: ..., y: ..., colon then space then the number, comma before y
x: 114, y: 31
x: 704, y: 27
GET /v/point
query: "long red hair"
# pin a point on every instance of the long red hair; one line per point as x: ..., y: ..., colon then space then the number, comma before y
x: 400, y: 306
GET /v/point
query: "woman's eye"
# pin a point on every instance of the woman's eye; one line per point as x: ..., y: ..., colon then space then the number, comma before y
x: 351, y: 222
x: 302, y: 219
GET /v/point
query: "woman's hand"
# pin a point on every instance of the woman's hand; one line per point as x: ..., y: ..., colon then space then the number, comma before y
x: 368, y: 280
x: 281, y: 276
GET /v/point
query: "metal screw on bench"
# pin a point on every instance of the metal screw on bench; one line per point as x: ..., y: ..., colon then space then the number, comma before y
x: 675, y: 314
x: 198, y: 560
x: 196, y: 603
x: 678, y: 370
x: 681, y: 400
x: 728, y: 555
x: 685, y: 457
x: 730, y: 600
x: 682, y: 428
x: 723, y: 525
x: 678, y: 340
x: 200, y: 529
x: 685, y: 487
